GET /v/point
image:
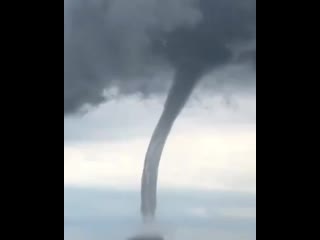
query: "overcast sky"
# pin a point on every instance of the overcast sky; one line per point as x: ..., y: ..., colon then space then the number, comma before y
x: 212, y: 145
x: 210, y: 155
x: 120, y: 58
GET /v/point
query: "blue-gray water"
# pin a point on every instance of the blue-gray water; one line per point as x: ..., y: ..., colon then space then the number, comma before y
x: 105, y: 214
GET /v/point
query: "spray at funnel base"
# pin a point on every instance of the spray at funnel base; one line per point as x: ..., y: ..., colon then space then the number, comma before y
x: 147, y: 238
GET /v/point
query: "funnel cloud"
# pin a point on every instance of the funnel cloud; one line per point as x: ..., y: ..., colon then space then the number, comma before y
x: 126, y: 45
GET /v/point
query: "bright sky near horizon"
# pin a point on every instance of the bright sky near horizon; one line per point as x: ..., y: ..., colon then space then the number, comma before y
x: 212, y: 145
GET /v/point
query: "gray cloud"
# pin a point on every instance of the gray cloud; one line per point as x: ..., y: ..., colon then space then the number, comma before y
x: 127, y: 45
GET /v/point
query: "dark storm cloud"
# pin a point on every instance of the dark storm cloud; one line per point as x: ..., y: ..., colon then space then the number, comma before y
x: 127, y: 44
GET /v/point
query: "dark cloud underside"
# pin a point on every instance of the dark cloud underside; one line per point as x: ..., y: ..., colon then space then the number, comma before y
x: 127, y: 45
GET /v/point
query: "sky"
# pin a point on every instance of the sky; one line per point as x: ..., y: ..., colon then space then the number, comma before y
x: 211, y: 147
x: 120, y: 59
x: 207, y: 179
